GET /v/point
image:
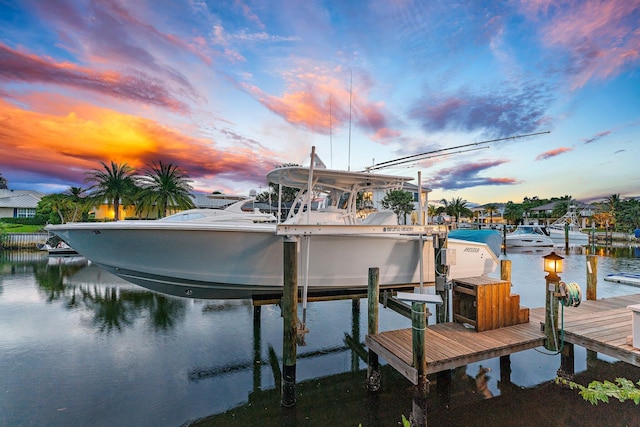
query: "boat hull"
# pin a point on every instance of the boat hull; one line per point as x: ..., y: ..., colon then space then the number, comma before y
x: 575, y: 237
x: 200, y: 261
x: 528, y: 242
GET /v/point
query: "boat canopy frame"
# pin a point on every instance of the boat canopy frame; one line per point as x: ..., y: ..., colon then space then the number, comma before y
x: 335, y: 184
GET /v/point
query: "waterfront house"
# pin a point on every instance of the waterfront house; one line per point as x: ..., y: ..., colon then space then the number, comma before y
x: 19, y: 203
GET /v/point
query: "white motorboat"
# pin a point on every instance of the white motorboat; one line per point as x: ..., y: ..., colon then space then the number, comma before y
x: 58, y: 249
x: 626, y: 278
x: 525, y: 236
x: 568, y: 221
x: 197, y: 253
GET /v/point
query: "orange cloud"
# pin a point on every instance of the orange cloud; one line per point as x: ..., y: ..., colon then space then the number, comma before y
x: 66, y: 146
x: 318, y: 101
x: 553, y: 153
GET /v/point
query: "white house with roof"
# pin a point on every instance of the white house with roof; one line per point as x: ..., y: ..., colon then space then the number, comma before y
x: 19, y: 203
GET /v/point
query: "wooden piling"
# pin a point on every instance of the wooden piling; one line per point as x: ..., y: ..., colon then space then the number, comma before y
x: 421, y: 389
x: 373, y: 295
x: 567, y: 362
x: 290, y: 320
x: 504, y: 239
x: 257, y: 349
x: 355, y: 332
x: 551, y: 314
x: 505, y: 270
x: 592, y: 277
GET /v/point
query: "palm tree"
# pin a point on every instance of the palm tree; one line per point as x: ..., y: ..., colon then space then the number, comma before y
x: 456, y: 208
x: 491, y: 209
x: 75, y: 195
x: 112, y: 184
x: 164, y: 186
x: 3, y: 183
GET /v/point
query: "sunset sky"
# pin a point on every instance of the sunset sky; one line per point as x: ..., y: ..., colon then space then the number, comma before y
x: 229, y: 89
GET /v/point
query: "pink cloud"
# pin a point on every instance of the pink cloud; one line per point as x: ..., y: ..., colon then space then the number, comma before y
x: 601, y: 35
x: 553, y: 153
x: 386, y: 136
x: 17, y: 66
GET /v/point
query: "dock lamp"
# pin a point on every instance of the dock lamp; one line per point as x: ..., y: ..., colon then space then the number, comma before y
x: 553, y: 266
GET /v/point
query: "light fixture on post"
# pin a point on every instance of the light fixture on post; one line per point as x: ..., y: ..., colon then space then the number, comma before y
x: 553, y: 266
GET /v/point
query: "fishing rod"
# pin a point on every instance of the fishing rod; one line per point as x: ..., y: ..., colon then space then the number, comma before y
x: 431, y: 154
x: 439, y: 155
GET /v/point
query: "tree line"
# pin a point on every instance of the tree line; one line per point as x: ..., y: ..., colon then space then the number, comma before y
x: 154, y: 191
x: 612, y: 214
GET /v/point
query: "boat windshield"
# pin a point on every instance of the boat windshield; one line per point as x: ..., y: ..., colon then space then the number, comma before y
x: 529, y: 230
x: 183, y: 217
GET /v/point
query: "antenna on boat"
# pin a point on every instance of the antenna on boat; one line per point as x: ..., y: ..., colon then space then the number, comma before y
x: 444, y: 152
x: 350, y: 95
x: 330, y: 133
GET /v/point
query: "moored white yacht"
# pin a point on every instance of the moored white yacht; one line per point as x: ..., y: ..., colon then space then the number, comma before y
x: 525, y: 236
x: 573, y: 230
x: 197, y: 253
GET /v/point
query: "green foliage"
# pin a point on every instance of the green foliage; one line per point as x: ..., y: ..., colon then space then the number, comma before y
x: 399, y: 201
x: 3, y: 235
x: 37, y: 220
x: 622, y: 390
x: 20, y: 228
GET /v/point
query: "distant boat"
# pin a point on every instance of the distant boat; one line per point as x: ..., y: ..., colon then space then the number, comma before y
x: 59, y: 249
x: 627, y: 278
x: 570, y: 220
x: 526, y: 236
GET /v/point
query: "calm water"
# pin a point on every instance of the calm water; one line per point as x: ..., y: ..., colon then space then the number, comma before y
x: 78, y: 346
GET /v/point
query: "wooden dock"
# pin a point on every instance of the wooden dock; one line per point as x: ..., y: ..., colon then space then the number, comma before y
x: 602, y: 326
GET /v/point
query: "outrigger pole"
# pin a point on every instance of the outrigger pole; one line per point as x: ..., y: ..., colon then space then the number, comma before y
x: 443, y: 152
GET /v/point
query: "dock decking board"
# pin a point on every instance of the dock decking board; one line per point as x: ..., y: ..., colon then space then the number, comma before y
x: 601, y: 326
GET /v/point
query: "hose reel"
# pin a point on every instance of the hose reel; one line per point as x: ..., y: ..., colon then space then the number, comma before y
x: 569, y: 294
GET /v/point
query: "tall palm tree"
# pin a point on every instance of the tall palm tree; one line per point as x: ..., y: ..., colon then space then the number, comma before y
x: 164, y: 186
x: 112, y: 183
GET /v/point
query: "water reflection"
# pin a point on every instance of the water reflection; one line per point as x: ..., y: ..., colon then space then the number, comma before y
x: 92, y: 342
x: 113, y: 304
